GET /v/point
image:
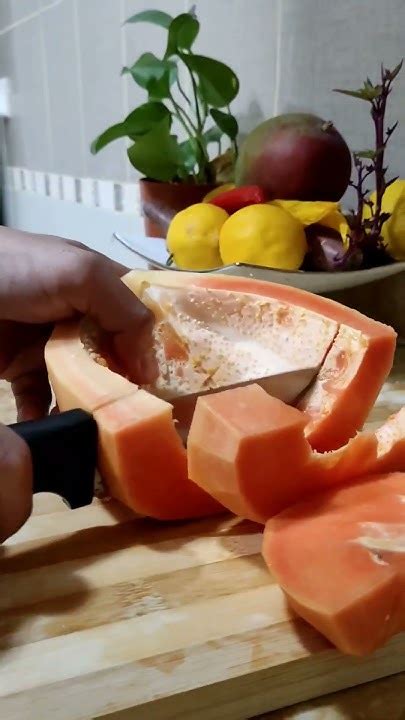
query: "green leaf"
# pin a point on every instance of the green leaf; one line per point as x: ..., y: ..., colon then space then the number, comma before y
x: 190, y: 154
x: 136, y: 124
x: 213, y: 135
x: 144, y: 118
x: 226, y: 122
x: 157, y: 154
x: 393, y: 73
x: 112, y: 133
x: 366, y: 154
x: 218, y: 84
x: 360, y: 94
x: 146, y: 69
x: 367, y: 93
x: 156, y: 17
x: 183, y: 31
x: 154, y: 75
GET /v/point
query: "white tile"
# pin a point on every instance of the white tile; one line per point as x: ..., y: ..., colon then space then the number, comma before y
x: 27, y: 138
x: 327, y: 44
x: 20, y: 9
x: 68, y: 185
x: 88, y: 192
x: 130, y: 197
x: 100, y: 58
x: 106, y: 194
x: 17, y: 178
x: 64, y: 96
x: 243, y: 35
x: 5, y: 13
x: 40, y: 183
x: 54, y: 191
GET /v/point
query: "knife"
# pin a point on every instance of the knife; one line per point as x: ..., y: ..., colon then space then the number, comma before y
x: 64, y: 446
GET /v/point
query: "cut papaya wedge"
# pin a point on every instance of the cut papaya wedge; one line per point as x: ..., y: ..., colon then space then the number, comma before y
x: 294, y: 326
x: 212, y: 331
x: 141, y: 457
x: 249, y: 451
x: 340, y: 559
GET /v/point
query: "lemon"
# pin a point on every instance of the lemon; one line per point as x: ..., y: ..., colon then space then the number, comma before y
x: 193, y: 237
x: 337, y: 221
x: 393, y: 230
x: 307, y: 212
x: 263, y: 235
x: 217, y: 191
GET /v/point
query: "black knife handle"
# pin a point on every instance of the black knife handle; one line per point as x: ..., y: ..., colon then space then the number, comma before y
x: 64, y: 454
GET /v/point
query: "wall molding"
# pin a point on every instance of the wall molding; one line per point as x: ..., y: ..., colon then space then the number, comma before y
x: 120, y: 197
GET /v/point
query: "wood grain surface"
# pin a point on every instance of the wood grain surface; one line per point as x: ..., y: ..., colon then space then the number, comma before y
x: 106, y: 615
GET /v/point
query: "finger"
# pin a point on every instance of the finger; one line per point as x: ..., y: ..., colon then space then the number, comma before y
x: 101, y: 294
x: 32, y: 395
x: 116, y: 267
x: 28, y: 376
x: 16, y: 482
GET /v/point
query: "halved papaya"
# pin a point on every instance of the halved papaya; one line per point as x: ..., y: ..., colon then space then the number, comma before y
x: 141, y: 457
x: 292, y: 327
x: 340, y: 559
x: 249, y: 451
x: 210, y: 331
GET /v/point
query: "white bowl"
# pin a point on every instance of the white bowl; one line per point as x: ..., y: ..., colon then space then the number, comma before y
x: 154, y: 253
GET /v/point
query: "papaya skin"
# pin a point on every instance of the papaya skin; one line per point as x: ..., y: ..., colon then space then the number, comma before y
x: 353, y: 371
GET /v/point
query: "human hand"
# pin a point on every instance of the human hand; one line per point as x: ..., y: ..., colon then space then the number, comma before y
x: 45, y: 279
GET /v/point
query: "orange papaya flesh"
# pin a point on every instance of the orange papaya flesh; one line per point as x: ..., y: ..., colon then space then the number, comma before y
x: 141, y: 458
x: 250, y: 452
x: 356, y: 352
x: 340, y: 559
x: 145, y: 462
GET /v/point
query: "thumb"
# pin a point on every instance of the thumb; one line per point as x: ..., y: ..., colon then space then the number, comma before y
x: 103, y: 296
x: 16, y: 482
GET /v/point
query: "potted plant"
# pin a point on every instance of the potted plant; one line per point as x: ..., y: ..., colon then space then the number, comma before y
x: 187, y: 93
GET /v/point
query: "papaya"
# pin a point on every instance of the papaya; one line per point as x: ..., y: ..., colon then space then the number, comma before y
x: 249, y: 451
x: 295, y: 327
x: 340, y: 560
x: 141, y: 457
x: 212, y: 331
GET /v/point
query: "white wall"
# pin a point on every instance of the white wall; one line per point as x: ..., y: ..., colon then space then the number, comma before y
x: 64, y: 59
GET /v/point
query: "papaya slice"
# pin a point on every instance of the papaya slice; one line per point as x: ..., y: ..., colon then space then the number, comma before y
x: 249, y: 451
x: 214, y: 330
x: 141, y: 456
x: 340, y: 559
x: 356, y: 352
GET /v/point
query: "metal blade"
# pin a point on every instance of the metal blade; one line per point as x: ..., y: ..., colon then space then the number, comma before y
x: 286, y: 386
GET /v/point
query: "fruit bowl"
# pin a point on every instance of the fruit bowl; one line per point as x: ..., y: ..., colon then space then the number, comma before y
x: 153, y: 253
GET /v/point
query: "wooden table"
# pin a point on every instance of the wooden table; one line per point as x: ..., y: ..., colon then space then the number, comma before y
x: 378, y: 700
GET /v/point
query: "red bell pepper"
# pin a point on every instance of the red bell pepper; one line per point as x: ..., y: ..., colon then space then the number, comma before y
x: 238, y: 198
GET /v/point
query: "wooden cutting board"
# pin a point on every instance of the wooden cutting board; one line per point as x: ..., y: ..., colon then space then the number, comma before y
x: 101, y: 612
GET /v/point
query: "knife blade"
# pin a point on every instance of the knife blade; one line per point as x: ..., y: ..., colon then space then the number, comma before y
x: 64, y: 446
x: 286, y: 386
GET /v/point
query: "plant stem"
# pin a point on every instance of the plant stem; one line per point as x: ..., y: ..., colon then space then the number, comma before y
x: 186, y: 98
x: 378, y: 115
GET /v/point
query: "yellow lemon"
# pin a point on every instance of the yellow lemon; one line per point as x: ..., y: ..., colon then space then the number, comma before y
x: 337, y: 221
x: 263, y: 235
x: 307, y: 212
x: 193, y: 237
x: 393, y: 230
x: 217, y: 191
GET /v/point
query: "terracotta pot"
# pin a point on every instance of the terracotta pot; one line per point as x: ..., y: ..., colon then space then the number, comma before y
x: 160, y: 201
x: 382, y: 300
